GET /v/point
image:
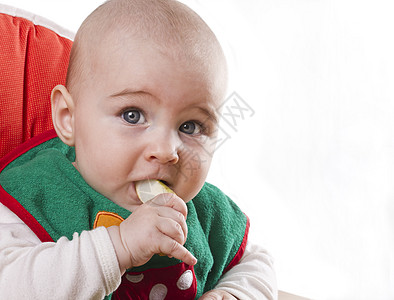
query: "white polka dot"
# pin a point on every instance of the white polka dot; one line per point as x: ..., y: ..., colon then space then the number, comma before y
x: 158, y: 292
x: 135, y: 278
x: 185, y: 281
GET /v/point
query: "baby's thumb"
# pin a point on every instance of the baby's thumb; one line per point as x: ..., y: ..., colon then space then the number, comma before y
x: 162, y: 199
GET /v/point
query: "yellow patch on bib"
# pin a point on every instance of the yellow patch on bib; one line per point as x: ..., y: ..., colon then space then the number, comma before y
x: 107, y: 219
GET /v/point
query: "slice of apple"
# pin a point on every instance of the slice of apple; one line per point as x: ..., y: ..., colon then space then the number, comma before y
x: 150, y: 188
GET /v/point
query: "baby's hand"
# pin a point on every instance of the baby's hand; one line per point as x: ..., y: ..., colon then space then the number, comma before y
x: 158, y: 226
x: 217, y: 295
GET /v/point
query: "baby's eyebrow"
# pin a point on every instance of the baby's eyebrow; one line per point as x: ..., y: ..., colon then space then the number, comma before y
x: 127, y: 92
x: 210, y: 113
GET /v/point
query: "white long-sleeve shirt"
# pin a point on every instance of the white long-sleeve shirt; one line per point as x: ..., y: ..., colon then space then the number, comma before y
x: 86, y: 267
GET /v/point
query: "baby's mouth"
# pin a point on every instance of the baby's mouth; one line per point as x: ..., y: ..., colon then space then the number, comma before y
x: 164, y: 182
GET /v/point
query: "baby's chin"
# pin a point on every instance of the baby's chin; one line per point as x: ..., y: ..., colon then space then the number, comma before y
x: 189, y: 196
x: 129, y: 201
x: 130, y: 205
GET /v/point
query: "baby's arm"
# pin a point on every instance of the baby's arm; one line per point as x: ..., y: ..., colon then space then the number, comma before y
x: 252, y: 278
x: 83, y: 268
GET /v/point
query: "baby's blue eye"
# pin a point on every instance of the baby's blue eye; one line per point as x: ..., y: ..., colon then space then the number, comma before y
x: 133, y: 116
x: 190, y: 127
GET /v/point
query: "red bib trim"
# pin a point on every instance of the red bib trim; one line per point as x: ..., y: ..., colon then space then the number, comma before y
x: 10, y: 201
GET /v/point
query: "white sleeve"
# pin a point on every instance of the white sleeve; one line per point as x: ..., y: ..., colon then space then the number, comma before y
x: 253, y: 277
x: 84, y: 268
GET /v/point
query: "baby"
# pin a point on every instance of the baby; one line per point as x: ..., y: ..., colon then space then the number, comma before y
x: 144, y: 84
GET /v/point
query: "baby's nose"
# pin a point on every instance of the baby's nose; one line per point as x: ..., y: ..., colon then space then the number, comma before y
x: 164, y: 157
x: 163, y: 149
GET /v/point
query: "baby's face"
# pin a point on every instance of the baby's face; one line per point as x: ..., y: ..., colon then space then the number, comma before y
x: 144, y: 114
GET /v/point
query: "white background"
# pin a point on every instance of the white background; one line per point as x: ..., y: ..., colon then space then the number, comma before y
x: 313, y: 167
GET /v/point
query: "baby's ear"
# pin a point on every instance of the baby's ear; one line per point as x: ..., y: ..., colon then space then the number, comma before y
x: 63, y: 114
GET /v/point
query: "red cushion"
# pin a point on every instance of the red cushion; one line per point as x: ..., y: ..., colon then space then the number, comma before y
x: 33, y: 59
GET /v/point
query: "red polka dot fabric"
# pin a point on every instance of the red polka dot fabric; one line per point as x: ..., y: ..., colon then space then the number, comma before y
x: 173, y: 282
x: 33, y: 59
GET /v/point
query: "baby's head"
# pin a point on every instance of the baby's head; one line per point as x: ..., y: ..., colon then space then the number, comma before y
x: 145, y: 81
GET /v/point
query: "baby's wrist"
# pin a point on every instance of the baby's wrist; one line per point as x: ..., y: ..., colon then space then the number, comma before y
x: 122, y: 254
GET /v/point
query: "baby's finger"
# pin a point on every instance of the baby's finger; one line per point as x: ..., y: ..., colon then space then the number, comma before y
x: 171, y: 200
x: 173, y: 230
x: 172, y: 248
x: 169, y: 213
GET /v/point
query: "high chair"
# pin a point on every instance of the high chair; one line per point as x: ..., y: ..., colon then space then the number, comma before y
x: 34, y: 56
